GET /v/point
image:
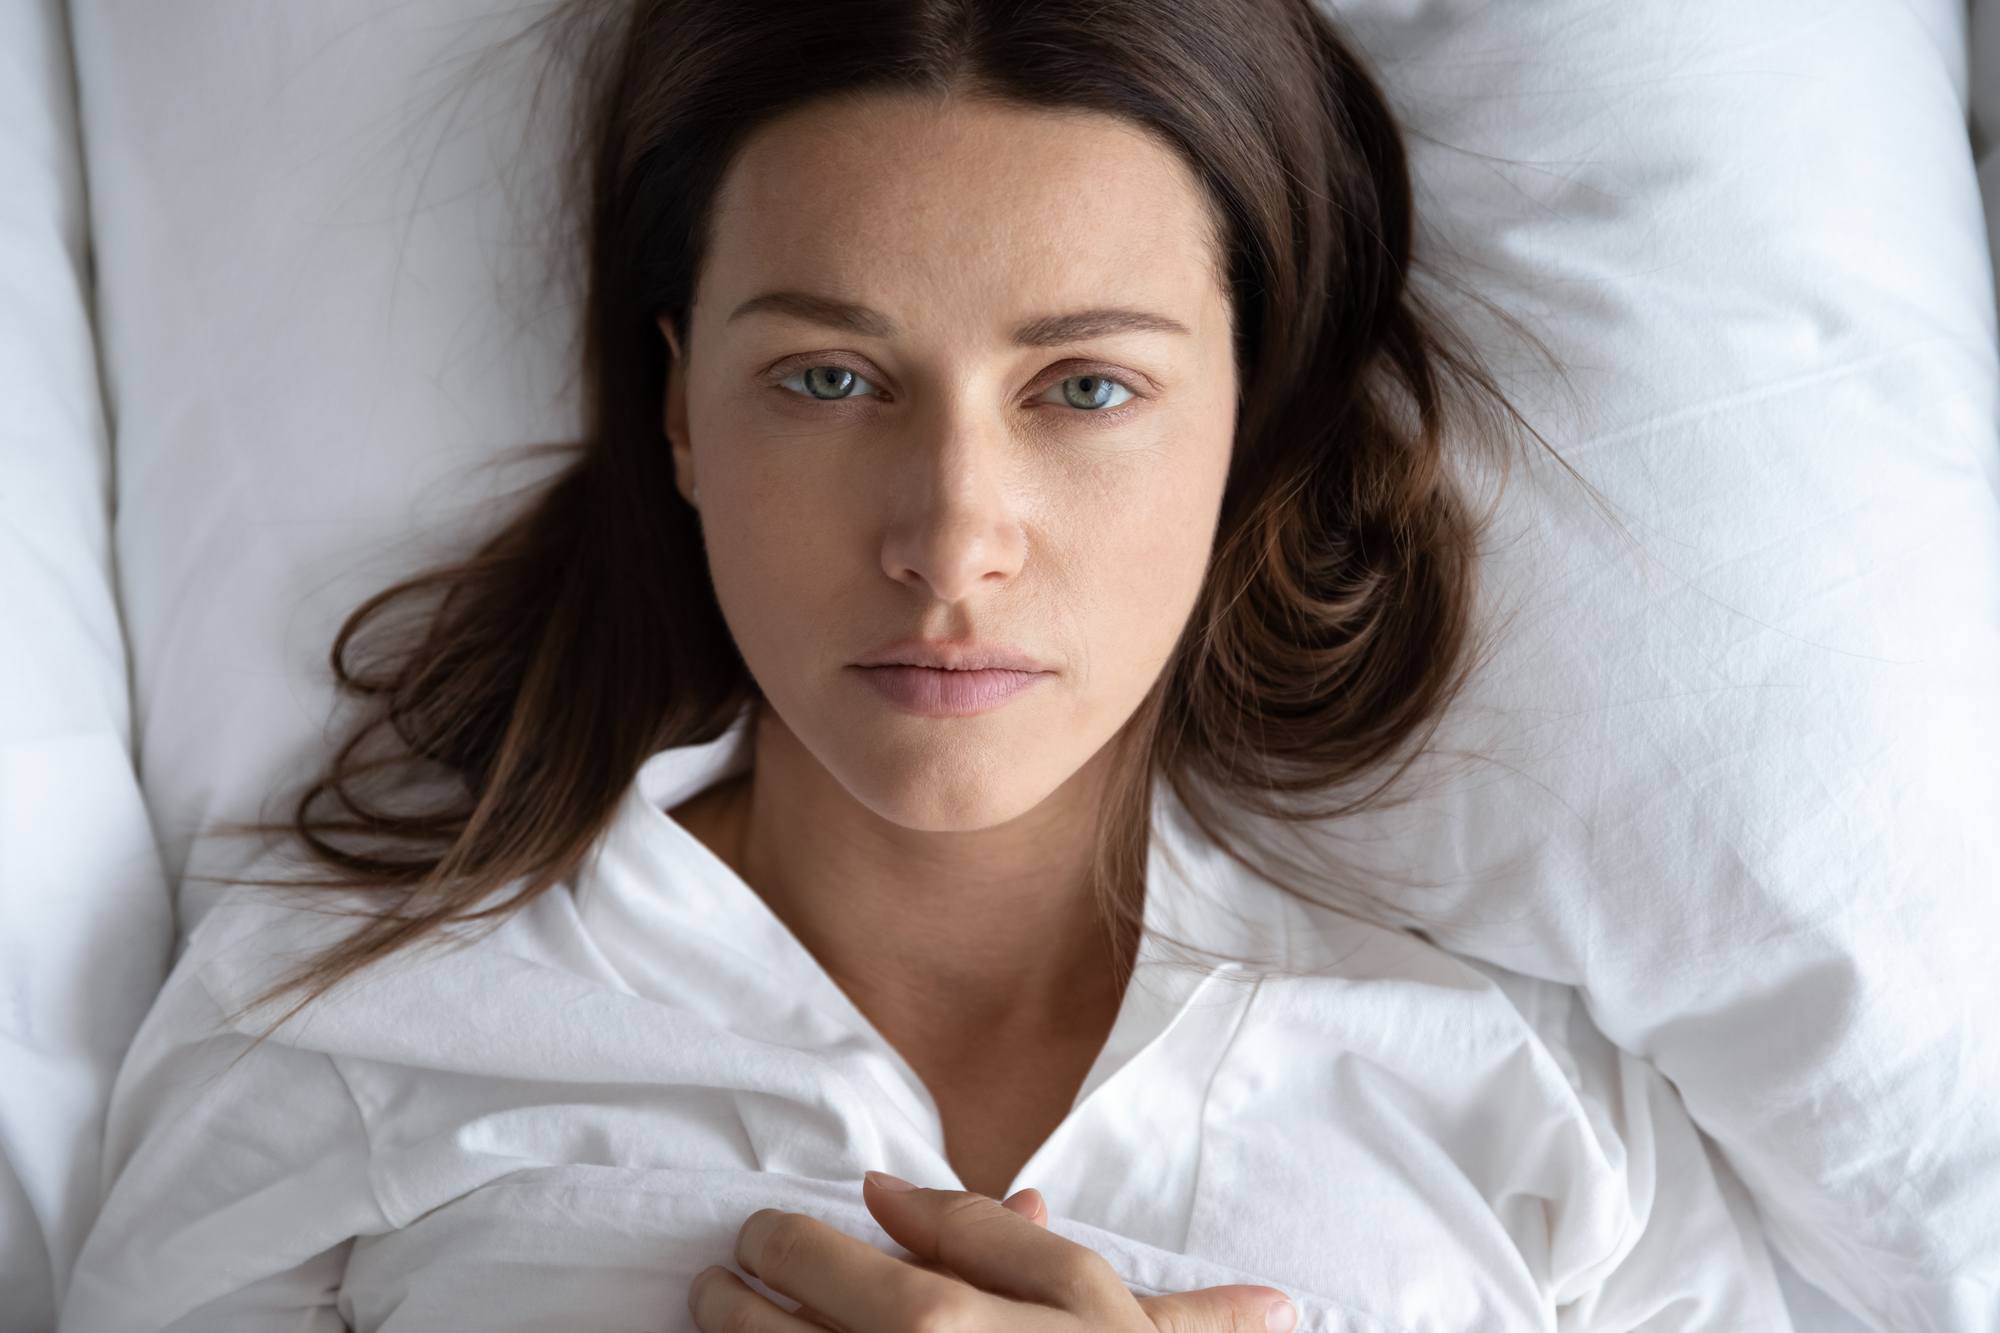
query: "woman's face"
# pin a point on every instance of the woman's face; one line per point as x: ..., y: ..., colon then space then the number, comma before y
x: 956, y: 409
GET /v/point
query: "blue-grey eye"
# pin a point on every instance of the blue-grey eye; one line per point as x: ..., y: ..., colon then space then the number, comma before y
x: 1089, y: 392
x: 828, y: 382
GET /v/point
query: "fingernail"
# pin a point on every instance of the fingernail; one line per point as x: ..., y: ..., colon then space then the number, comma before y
x: 1282, y: 1317
x: 882, y: 1180
x: 1025, y: 1202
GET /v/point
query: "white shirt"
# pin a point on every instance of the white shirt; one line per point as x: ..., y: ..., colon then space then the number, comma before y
x: 556, y: 1125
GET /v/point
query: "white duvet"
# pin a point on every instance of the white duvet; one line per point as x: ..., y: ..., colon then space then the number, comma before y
x: 560, y: 1125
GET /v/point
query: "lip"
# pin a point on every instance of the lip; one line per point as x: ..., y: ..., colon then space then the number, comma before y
x: 928, y: 678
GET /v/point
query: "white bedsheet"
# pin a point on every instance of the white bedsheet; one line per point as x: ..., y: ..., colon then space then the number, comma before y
x: 85, y: 925
x: 559, y: 1125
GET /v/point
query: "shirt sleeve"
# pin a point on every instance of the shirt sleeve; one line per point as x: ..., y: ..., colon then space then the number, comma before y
x: 1697, y: 1260
x: 237, y: 1168
x: 1689, y: 1254
x: 298, y: 1300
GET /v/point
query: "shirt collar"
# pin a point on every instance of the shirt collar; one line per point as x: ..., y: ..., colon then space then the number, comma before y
x: 683, y: 928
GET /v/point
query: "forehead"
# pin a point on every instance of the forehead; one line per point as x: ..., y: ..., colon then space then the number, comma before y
x: 938, y: 199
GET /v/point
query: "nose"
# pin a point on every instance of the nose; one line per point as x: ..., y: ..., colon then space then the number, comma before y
x: 953, y: 528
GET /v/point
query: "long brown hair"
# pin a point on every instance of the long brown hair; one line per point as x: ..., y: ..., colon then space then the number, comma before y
x: 510, y: 699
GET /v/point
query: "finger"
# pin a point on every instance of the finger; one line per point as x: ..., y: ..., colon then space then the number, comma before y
x: 849, y: 1281
x: 994, y: 1248
x: 719, y: 1300
x: 1223, y: 1310
x: 1029, y: 1204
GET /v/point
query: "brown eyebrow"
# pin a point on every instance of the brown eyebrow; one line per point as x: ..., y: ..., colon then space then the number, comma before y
x: 1058, y: 329
x: 845, y: 315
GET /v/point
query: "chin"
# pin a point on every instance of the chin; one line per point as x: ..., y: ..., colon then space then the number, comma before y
x: 951, y: 787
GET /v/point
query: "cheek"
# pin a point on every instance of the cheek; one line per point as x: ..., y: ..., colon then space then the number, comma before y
x: 1134, y: 549
x: 782, y: 538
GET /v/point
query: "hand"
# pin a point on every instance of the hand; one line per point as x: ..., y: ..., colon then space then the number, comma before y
x: 1002, y: 1272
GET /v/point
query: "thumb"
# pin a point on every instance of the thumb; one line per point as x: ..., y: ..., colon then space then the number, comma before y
x: 1222, y: 1310
x: 1029, y: 1204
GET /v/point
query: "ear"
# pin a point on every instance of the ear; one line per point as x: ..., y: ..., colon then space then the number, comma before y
x: 676, y: 420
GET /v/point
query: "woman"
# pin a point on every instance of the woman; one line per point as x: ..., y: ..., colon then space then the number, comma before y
x: 1014, y: 443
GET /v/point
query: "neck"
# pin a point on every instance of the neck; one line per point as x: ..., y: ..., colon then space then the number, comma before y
x: 996, y: 918
x: 982, y: 956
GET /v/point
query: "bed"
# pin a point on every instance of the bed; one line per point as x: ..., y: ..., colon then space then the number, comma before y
x: 280, y: 317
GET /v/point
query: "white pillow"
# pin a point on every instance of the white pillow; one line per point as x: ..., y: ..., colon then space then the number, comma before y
x: 1741, y: 747
x: 1739, y: 758
x: 322, y: 316
x: 84, y: 923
